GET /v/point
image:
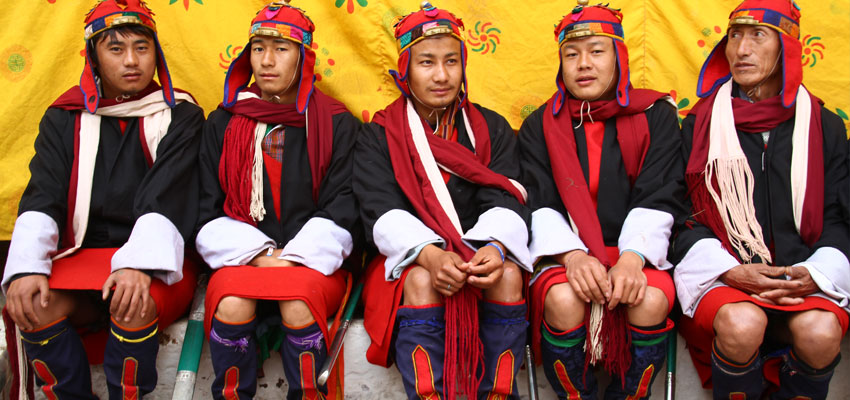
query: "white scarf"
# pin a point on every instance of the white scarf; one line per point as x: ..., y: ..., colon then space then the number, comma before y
x: 727, y: 164
x: 156, y: 117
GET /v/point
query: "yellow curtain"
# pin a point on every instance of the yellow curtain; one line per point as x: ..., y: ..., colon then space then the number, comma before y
x: 512, y: 65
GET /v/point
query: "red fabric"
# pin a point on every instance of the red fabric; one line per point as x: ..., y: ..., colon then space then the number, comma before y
x: 594, y: 133
x: 756, y: 117
x: 274, y: 170
x: 699, y: 330
x: 654, y: 278
x: 324, y: 296
x: 463, y: 346
x: 633, y: 136
x: 73, y: 100
x: 381, y: 299
x: 238, y: 148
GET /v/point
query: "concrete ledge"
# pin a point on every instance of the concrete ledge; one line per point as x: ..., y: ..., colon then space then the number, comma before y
x: 366, y: 381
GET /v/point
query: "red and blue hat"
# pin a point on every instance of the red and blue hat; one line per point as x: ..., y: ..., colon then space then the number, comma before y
x: 108, y: 14
x: 427, y: 22
x: 598, y: 20
x: 782, y: 16
x: 278, y: 20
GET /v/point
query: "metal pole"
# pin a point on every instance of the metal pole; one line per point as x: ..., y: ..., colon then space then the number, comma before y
x: 532, y: 374
x: 670, y: 381
x: 336, y: 346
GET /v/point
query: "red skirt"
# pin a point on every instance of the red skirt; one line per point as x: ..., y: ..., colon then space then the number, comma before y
x: 654, y: 278
x: 381, y: 299
x: 324, y: 295
x: 699, y: 330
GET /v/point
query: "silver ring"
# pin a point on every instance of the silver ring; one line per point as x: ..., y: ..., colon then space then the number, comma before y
x: 449, y: 287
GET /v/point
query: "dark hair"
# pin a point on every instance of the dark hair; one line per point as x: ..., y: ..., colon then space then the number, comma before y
x: 113, y: 33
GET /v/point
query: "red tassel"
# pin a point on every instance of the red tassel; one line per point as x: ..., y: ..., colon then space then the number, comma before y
x: 616, y: 342
x: 464, y: 350
x: 235, y: 166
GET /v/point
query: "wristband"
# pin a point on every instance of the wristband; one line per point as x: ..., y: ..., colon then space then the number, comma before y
x: 642, y: 259
x: 497, y: 248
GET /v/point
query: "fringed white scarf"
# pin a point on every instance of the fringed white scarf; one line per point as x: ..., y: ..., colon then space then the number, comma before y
x: 727, y: 165
x: 156, y: 117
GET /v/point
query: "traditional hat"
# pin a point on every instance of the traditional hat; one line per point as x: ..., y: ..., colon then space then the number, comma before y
x: 108, y: 14
x: 780, y: 15
x: 598, y: 20
x: 278, y: 20
x: 420, y: 25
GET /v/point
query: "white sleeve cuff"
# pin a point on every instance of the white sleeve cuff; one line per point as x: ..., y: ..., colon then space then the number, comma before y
x: 396, y: 233
x: 154, y: 245
x: 34, y: 243
x: 321, y: 245
x: 225, y: 241
x: 551, y: 234
x: 647, y: 231
x: 830, y: 270
x: 705, y: 261
x: 505, y: 226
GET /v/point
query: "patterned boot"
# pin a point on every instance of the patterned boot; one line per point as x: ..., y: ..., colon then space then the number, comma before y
x: 59, y: 361
x: 649, y: 350
x: 563, y: 363
x: 503, y: 331
x: 797, y: 380
x: 736, y: 381
x: 303, y: 352
x: 233, y: 351
x: 129, y: 360
x: 419, y: 350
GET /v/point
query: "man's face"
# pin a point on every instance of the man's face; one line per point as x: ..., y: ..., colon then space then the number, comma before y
x: 275, y: 65
x: 126, y: 63
x: 436, y: 71
x: 589, y: 67
x: 753, y: 54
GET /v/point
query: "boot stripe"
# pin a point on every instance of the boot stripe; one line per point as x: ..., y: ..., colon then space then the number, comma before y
x: 46, y: 376
x: 503, y: 382
x: 737, y: 396
x: 422, y: 369
x: 139, y: 340
x: 308, y: 377
x: 231, y: 384
x: 643, y: 385
x: 129, y: 388
x: 566, y: 383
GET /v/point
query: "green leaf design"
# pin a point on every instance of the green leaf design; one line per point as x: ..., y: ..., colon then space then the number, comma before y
x: 842, y: 114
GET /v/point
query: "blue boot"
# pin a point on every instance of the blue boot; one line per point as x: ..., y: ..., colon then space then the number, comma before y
x: 503, y: 330
x: 419, y: 350
x: 59, y: 361
x: 649, y: 350
x: 303, y: 352
x: 233, y: 351
x: 129, y: 361
x: 563, y: 363
x: 797, y: 380
x: 737, y: 381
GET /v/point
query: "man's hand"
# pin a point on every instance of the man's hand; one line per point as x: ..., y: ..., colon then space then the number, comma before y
x: 486, y: 267
x: 628, y: 280
x: 786, y: 297
x: 757, y: 278
x: 587, y: 276
x: 19, y: 299
x: 447, y: 276
x: 132, y: 293
x: 263, y: 260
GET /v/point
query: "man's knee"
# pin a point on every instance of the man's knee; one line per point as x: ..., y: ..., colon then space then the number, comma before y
x: 418, y: 288
x: 652, y: 310
x: 816, y: 336
x: 61, y: 304
x: 739, y: 329
x: 509, y: 288
x: 295, y: 313
x: 562, y: 309
x: 235, y: 309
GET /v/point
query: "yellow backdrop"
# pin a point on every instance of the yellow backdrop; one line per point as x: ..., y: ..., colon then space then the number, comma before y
x: 512, y: 65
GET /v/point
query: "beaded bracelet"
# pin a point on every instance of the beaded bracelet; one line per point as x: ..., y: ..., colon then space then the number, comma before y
x: 497, y: 248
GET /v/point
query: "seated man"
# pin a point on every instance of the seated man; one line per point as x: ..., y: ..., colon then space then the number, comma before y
x: 764, y: 276
x: 111, y: 201
x: 601, y: 159
x: 277, y: 210
x: 432, y: 177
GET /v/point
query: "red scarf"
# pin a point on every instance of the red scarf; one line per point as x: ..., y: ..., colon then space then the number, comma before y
x: 633, y: 136
x: 463, y: 345
x: 756, y: 117
x: 237, y: 155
